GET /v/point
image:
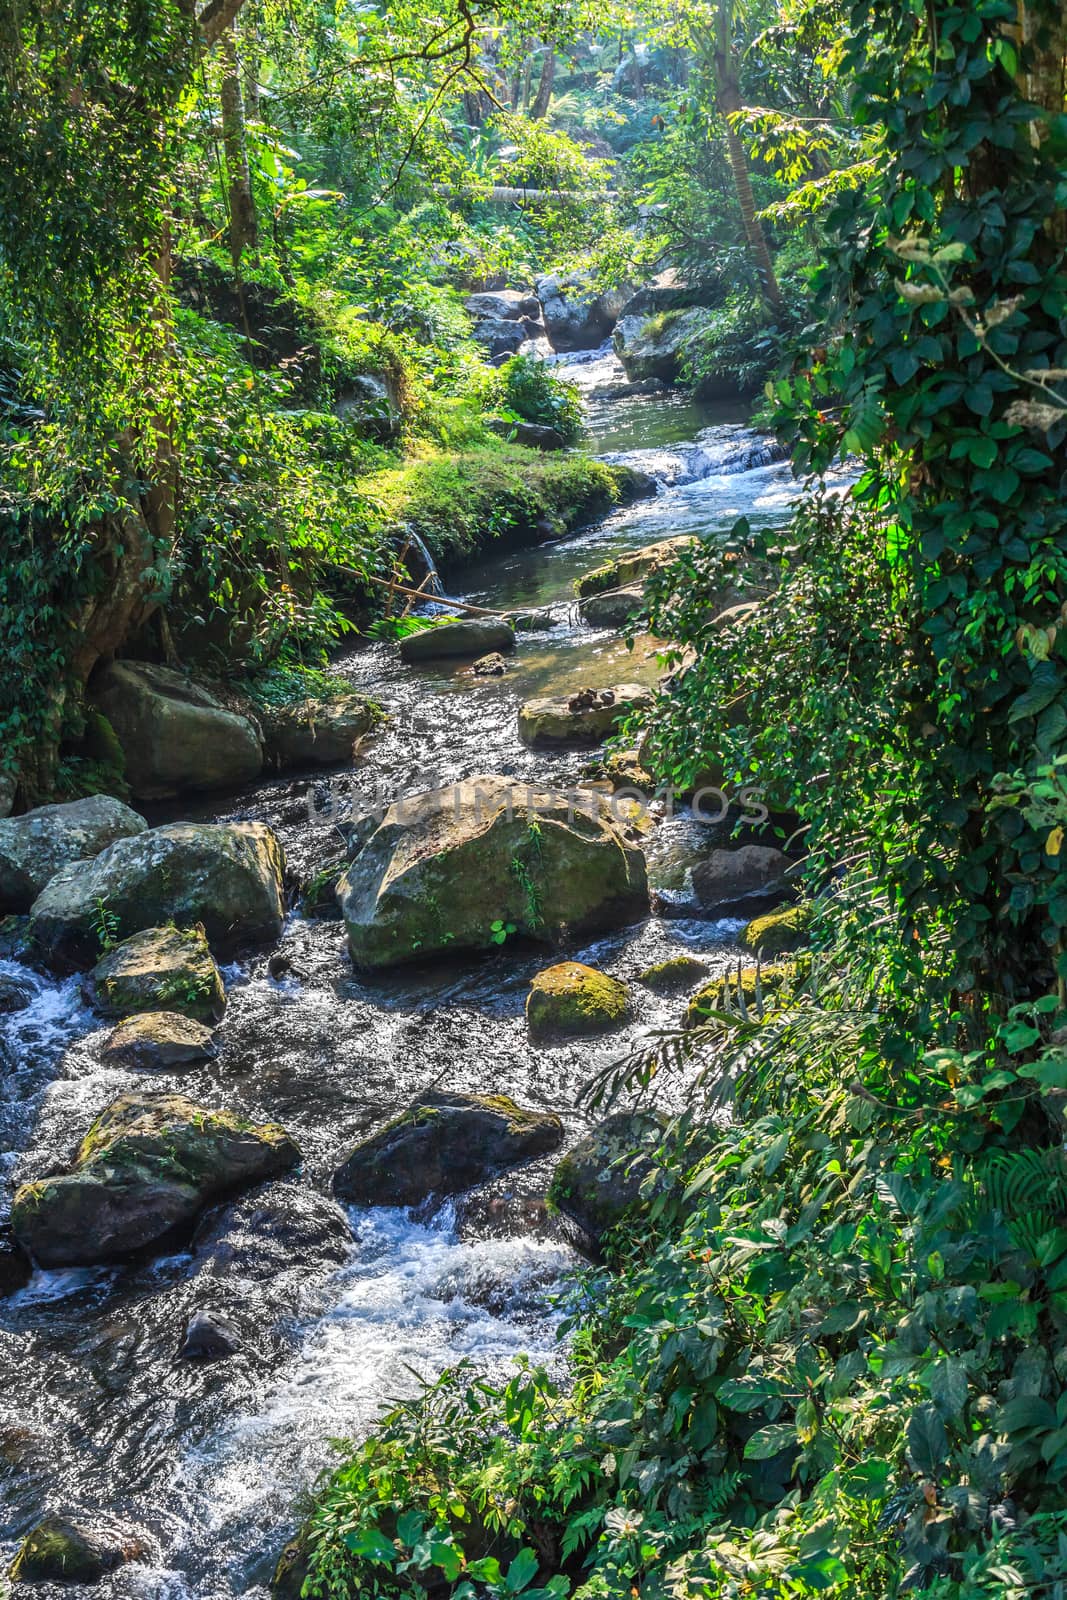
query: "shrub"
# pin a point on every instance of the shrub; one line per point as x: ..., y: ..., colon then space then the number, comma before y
x: 529, y: 390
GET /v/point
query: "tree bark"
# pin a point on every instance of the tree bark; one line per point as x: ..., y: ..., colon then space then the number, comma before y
x: 242, y: 206
x: 728, y: 94
x: 543, y: 98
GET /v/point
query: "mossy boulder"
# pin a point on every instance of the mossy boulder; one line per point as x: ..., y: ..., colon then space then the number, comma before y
x: 458, y: 868
x: 655, y: 347
x: 59, y: 1551
x: 442, y: 1144
x: 225, y: 875
x: 176, y: 736
x: 627, y: 570
x: 160, y: 969
x: 292, y: 1570
x: 587, y: 717
x: 677, y: 972
x: 159, y: 1041
x: 721, y: 993
x: 148, y: 1165
x: 472, y: 636
x: 35, y: 846
x: 571, y: 1000
x: 779, y: 932
x: 600, y: 1179
x: 316, y: 732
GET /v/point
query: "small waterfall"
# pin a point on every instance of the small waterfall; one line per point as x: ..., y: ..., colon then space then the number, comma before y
x: 431, y: 584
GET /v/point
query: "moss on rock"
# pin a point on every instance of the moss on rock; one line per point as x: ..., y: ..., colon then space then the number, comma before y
x: 751, y: 980
x: 677, y: 972
x: 779, y: 932
x: 571, y: 999
x: 161, y: 969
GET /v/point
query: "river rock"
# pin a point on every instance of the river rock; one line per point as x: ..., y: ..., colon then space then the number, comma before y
x: 472, y: 636
x: 587, y: 717
x: 499, y: 335
x: 597, y: 1182
x: 316, y: 732
x: 261, y: 1237
x: 159, y: 1041
x: 175, y: 735
x: 491, y: 666
x: 15, y: 993
x: 441, y: 1144
x: 535, y: 435
x: 722, y: 994
x: 779, y: 932
x: 34, y: 846
x: 160, y: 969
x: 440, y: 872
x: 754, y: 875
x: 613, y: 609
x: 209, y: 1336
x: 149, y: 1164
x: 16, y: 1269
x: 656, y: 347
x: 677, y: 972
x: 60, y: 1551
x: 225, y: 875
x: 577, y: 316
x: 628, y: 569
x: 571, y: 1000
x: 507, y: 305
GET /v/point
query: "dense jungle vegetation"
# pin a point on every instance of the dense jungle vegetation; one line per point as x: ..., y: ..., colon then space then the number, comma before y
x: 827, y: 1351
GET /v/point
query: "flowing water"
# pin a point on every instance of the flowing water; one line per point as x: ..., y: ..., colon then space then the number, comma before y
x: 97, y: 1415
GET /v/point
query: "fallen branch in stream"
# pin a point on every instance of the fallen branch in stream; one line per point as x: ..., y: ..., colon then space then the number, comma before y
x: 420, y: 594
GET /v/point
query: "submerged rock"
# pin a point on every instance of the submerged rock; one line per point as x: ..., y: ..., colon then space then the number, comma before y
x: 161, y: 969
x: 225, y: 875
x: 149, y: 1163
x: 597, y: 1182
x: 209, y: 1336
x: 15, y: 993
x: 468, y: 866
x: 16, y: 1269
x: 441, y: 1144
x: 158, y: 1041
x: 316, y: 732
x: 35, y: 846
x: 779, y: 932
x: 175, y: 735
x: 572, y: 1000
x: 59, y: 1551
x: 754, y: 875
x: 587, y: 717
x: 476, y: 636
x: 260, y: 1237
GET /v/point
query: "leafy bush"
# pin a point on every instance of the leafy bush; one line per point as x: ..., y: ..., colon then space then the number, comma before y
x: 528, y: 389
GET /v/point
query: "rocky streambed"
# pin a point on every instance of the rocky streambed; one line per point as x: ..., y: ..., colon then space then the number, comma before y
x: 178, y: 1400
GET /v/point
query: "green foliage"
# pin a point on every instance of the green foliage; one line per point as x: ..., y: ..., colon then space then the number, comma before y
x: 529, y: 390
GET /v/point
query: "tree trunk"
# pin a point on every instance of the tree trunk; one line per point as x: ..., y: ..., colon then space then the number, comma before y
x: 543, y: 100
x: 243, y: 230
x: 728, y: 94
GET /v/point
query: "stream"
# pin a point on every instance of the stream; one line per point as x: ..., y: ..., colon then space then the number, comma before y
x: 98, y: 1417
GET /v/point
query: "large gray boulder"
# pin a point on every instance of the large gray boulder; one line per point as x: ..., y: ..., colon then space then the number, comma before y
x: 225, y: 875
x: 577, y: 316
x: 148, y: 1164
x: 500, y: 337
x: 442, y: 1144
x: 34, y: 846
x: 175, y: 735
x: 612, y: 609
x: 471, y: 636
x: 506, y: 305
x: 753, y: 877
x: 656, y: 347
x: 316, y: 732
x: 470, y: 865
